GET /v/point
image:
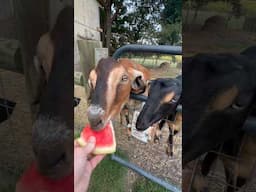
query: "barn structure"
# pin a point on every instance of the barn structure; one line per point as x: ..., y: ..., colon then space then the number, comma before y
x: 88, y: 43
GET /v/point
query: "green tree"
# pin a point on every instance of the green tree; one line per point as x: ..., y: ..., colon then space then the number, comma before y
x: 171, y: 23
x: 111, y: 10
x: 130, y: 21
x: 139, y: 24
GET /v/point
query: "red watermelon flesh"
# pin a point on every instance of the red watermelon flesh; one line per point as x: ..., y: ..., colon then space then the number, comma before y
x: 105, y: 139
x: 32, y: 181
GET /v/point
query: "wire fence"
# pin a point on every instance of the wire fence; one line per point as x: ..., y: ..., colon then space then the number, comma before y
x: 228, y: 172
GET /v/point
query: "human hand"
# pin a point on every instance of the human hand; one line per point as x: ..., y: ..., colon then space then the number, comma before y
x: 84, y: 164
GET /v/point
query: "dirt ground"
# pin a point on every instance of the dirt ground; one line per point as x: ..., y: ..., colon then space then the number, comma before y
x: 151, y: 156
x: 15, y: 133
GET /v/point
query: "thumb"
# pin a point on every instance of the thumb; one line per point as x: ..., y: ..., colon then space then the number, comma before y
x: 90, y: 145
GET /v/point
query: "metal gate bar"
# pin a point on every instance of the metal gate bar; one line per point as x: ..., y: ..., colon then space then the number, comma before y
x: 145, y: 174
x: 160, y: 49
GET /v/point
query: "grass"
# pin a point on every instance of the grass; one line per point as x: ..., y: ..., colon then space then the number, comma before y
x: 109, y: 176
x: 223, y: 8
x: 249, y: 7
x: 76, y: 134
x: 218, y: 6
x: 144, y: 185
x: 154, y: 62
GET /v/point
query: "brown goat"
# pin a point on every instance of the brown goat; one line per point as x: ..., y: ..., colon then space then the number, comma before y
x: 111, y: 83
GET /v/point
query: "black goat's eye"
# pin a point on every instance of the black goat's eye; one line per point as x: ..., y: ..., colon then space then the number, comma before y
x: 124, y: 78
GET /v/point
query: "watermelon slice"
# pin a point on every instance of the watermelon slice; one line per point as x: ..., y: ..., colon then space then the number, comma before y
x: 105, y: 139
x: 33, y: 181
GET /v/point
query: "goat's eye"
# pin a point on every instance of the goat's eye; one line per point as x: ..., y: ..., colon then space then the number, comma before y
x: 124, y: 78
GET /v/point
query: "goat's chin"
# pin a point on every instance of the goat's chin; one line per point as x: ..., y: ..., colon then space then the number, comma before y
x: 143, y: 126
x: 59, y: 171
x: 100, y: 126
x: 52, y: 143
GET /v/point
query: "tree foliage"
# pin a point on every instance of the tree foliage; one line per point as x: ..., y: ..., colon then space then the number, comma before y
x: 139, y: 24
x: 140, y: 21
x: 171, y: 18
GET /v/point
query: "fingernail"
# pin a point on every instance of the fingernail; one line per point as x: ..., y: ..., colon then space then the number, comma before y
x: 91, y: 139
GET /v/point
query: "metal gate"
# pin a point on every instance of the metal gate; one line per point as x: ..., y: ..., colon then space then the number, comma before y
x: 169, y: 50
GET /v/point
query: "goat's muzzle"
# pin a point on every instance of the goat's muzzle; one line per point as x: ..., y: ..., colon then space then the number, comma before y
x: 52, y: 143
x: 96, y: 117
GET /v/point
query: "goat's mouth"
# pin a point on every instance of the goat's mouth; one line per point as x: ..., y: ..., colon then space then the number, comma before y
x: 57, y: 172
x: 99, y: 125
x: 142, y: 125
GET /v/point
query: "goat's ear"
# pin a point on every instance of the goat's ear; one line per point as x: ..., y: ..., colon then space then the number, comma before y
x: 138, y: 73
x: 139, y: 85
x: 91, y: 83
x: 92, y: 78
x: 141, y: 76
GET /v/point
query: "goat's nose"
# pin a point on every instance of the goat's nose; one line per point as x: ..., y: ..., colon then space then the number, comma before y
x: 140, y: 126
x: 95, y: 117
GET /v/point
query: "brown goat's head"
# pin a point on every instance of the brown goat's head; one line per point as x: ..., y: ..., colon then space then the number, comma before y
x: 111, y: 83
x: 52, y: 132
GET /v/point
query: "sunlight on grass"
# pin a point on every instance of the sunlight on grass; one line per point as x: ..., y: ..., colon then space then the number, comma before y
x: 249, y: 7
x: 219, y: 6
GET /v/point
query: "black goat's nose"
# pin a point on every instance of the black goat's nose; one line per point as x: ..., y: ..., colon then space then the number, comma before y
x: 95, y: 117
x: 140, y: 126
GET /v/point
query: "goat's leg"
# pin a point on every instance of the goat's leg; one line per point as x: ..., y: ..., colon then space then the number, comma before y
x: 169, y: 149
x: 128, y: 125
x: 125, y: 117
x: 158, y: 131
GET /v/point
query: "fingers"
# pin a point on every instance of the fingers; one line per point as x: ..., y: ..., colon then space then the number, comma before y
x: 89, y: 146
x: 76, y: 144
x: 95, y: 160
x: 84, y: 151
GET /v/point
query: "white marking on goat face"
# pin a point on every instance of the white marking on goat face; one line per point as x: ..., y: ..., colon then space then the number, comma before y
x: 95, y: 110
x: 117, y: 92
